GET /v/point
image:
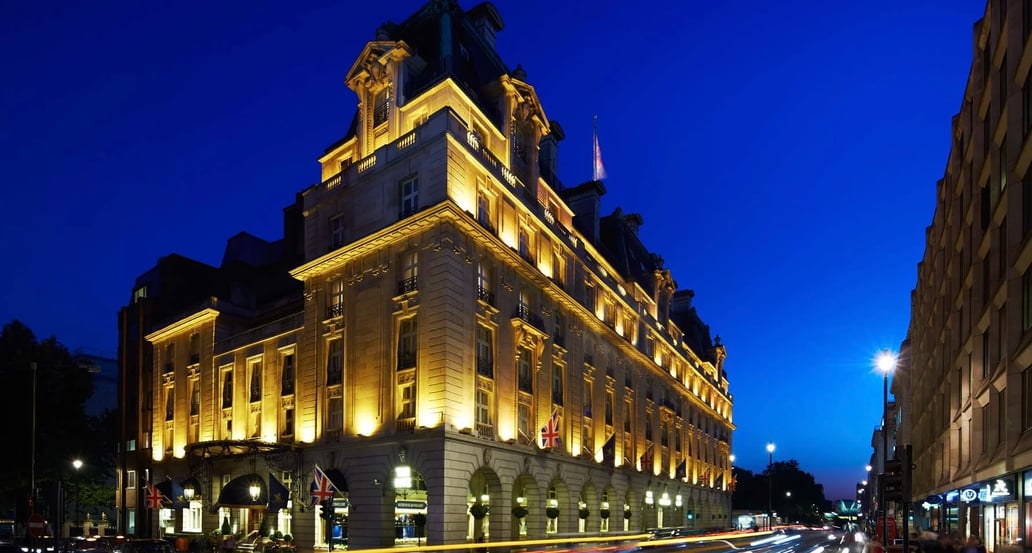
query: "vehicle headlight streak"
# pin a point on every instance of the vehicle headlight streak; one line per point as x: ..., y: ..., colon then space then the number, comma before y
x: 775, y: 540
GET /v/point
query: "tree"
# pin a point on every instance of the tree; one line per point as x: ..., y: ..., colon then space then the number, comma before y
x: 806, y: 503
x: 63, y: 432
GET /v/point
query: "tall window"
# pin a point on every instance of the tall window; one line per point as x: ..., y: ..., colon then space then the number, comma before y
x: 409, y: 272
x: 195, y: 348
x: 1002, y: 259
x: 335, y: 303
x: 484, y: 283
x: 1026, y: 202
x: 336, y: 232
x: 518, y: 149
x: 170, y: 358
x: 287, y: 377
x: 524, y: 374
x: 485, y: 397
x: 227, y: 388
x: 524, y: 243
x: 986, y: 429
x: 1026, y: 299
x: 485, y: 351
x: 409, y: 194
x: 287, y: 422
x: 589, y: 393
x: 1026, y: 95
x: 1026, y: 398
x: 557, y: 384
x: 256, y: 381
x: 485, y: 213
x: 381, y: 105
x: 609, y: 408
x: 1001, y: 417
x: 523, y: 421
x: 335, y: 417
x: 407, y: 343
x: 195, y: 396
x: 335, y: 362
x: 407, y: 396
x: 170, y: 403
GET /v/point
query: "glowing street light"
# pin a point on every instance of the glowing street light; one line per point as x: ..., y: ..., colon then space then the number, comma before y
x: 770, y: 483
x: 886, y: 363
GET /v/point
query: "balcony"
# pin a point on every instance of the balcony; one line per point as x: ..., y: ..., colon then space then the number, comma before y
x: 485, y: 431
x: 485, y: 295
x: 335, y: 310
x: 524, y: 313
x: 407, y: 285
x: 407, y: 424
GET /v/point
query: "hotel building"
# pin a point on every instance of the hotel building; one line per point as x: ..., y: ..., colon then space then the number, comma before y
x: 464, y: 347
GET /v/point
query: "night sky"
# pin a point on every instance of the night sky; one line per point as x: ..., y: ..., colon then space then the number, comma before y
x: 782, y: 154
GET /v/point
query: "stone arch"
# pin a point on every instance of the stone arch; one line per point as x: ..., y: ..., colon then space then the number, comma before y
x: 557, y: 495
x: 609, y: 501
x: 484, y: 484
x: 587, y: 499
x: 632, y: 505
x: 526, y: 487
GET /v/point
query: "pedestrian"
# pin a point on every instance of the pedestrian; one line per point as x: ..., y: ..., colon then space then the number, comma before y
x: 973, y: 545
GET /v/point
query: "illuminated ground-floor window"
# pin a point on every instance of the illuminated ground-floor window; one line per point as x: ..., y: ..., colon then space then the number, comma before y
x: 166, y: 521
x: 192, y: 517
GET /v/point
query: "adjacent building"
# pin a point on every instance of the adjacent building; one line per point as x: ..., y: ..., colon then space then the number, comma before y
x: 965, y: 381
x: 447, y: 344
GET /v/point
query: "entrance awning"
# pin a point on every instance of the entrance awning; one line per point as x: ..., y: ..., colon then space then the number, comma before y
x: 237, y: 493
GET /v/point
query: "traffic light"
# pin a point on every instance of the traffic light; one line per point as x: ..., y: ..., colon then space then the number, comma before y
x: 892, y: 480
x: 327, y: 510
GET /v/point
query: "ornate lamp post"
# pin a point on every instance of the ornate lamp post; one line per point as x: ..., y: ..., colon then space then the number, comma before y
x: 886, y: 363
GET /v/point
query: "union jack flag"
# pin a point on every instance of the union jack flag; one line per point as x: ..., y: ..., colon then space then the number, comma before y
x: 322, y: 488
x: 550, y: 432
x: 154, y: 497
x: 646, y: 459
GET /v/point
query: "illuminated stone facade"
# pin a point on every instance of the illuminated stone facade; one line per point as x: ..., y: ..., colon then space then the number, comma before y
x: 453, y: 299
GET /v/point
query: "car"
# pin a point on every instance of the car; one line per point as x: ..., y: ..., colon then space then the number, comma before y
x: 147, y: 546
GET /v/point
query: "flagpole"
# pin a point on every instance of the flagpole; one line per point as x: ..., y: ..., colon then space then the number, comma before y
x: 594, y: 150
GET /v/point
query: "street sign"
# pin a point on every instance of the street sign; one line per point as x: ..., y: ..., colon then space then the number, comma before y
x: 37, y: 526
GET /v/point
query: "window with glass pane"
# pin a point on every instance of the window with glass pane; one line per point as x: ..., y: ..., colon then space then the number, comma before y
x: 408, y: 400
x: 335, y: 362
x: 485, y: 352
x: 409, y: 193
x: 407, y: 343
x: 227, y: 388
x: 335, y: 406
x: 288, y: 422
x: 381, y: 105
x: 523, y: 422
x: 287, y: 378
x: 484, y: 401
x: 523, y: 371
x: 256, y: 381
x: 170, y: 404
x: 1026, y: 398
x: 557, y: 384
x: 609, y: 408
x: 409, y: 272
x: 336, y: 232
x: 195, y: 396
x: 589, y: 394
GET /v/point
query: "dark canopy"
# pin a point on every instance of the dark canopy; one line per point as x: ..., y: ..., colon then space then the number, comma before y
x: 238, y: 492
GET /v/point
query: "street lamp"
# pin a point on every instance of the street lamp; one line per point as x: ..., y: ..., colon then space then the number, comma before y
x: 770, y: 484
x: 886, y: 363
x: 77, y: 464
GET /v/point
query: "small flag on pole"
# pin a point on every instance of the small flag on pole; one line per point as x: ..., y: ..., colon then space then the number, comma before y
x: 322, y: 489
x: 598, y: 170
x: 682, y: 470
x: 154, y: 497
x: 550, y: 432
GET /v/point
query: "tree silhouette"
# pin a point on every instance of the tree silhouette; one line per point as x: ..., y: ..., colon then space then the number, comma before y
x: 806, y: 504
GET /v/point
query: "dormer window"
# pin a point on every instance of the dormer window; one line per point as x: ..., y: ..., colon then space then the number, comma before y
x: 381, y: 106
x: 519, y: 151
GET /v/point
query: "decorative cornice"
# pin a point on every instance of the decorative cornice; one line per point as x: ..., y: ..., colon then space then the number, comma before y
x: 186, y: 323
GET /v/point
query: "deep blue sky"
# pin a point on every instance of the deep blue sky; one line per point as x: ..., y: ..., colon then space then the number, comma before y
x: 783, y: 155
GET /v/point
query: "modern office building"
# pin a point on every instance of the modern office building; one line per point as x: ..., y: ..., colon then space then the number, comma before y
x: 466, y: 348
x: 965, y: 382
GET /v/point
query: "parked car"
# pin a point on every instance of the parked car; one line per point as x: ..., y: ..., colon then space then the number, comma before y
x: 147, y: 546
